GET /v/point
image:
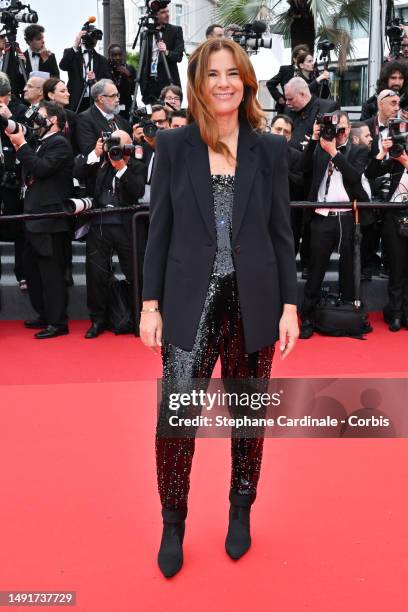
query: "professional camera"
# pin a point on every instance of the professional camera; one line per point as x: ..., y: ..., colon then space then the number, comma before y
x: 398, y: 132
x: 328, y: 125
x: 12, y: 13
x: 75, y: 206
x: 33, y: 121
x: 325, y: 46
x: 395, y: 33
x: 92, y: 35
x: 142, y: 117
x: 250, y: 37
x: 115, y: 150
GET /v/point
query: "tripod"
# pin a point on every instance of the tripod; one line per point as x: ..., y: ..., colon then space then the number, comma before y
x: 87, y: 84
x: 325, y: 82
x: 147, y: 32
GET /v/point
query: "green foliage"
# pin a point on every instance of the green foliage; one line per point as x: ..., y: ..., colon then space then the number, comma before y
x: 133, y: 59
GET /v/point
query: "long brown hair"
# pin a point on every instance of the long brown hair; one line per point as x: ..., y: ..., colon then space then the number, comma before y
x: 198, y: 108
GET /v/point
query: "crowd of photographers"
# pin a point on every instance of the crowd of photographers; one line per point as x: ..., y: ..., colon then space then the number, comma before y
x: 89, y: 130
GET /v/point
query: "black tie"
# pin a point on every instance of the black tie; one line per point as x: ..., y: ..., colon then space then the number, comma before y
x: 342, y: 149
x: 382, y: 127
x: 35, y: 54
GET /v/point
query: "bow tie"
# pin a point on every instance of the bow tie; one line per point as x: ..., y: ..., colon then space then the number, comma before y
x: 35, y: 54
x: 382, y: 127
x: 342, y: 149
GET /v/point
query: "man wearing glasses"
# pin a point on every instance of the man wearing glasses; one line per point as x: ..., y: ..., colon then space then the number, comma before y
x: 102, y: 116
x: 393, y: 76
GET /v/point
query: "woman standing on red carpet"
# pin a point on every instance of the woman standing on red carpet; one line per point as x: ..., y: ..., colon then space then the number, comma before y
x: 219, y: 271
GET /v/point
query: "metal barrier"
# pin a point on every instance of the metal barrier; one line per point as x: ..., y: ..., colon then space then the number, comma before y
x: 141, y: 211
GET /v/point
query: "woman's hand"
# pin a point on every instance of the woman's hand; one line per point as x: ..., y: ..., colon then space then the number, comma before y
x: 325, y: 76
x: 288, y: 330
x: 150, y: 328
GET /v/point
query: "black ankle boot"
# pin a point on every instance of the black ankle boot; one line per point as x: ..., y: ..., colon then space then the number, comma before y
x: 170, y: 557
x: 238, y: 538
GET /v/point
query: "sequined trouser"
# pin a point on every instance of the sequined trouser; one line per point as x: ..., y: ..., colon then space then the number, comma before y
x: 219, y: 334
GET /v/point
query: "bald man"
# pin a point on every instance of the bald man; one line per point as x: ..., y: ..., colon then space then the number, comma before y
x: 33, y: 90
x: 119, y: 182
x: 303, y: 107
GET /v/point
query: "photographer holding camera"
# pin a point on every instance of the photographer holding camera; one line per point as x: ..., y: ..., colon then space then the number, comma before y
x: 337, y: 166
x: 48, y: 182
x: 102, y: 116
x: 392, y: 160
x: 120, y: 181
x: 85, y: 66
x: 10, y: 178
x: 145, y: 134
x: 167, y: 39
x: 285, y: 74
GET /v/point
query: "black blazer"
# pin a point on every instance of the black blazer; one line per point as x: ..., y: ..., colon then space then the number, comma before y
x: 303, y: 120
x: 173, y: 37
x: 369, y: 108
x: 284, y: 75
x: 351, y: 165
x: 72, y: 62
x: 90, y: 125
x: 50, y: 169
x: 182, y: 235
x: 50, y: 65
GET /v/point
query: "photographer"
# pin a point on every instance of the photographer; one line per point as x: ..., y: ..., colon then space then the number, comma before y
x: 285, y: 74
x: 10, y: 179
x: 394, y: 76
x: 337, y: 165
x: 178, y: 119
x: 393, y: 160
x: 48, y: 181
x: 167, y: 39
x: 214, y: 31
x: 282, y: 125
x: 120, y: 181
x: 306, y: 70
x: 102, y: 116
x: 145, y: 134
x: 171, y: 97
x: 84, y: 66
x: 303, y: 108
x: 123, y: 75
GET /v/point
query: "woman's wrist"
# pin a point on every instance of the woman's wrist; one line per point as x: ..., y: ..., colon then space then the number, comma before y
x: 289, y: 308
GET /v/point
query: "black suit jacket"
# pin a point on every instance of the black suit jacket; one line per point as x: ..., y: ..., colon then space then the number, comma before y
x: 90, y: 125
x: 73, y: 63
x: 303, y: 120
x: 284, y: 75
x: 51, y: 170
x: 351, y: 164
x: 182, y: 239
x: 50, y: 65
x: 173, y: 37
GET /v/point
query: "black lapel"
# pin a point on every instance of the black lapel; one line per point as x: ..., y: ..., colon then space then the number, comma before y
x: 198, y: 166
x: 247, y: 165
x: 28, y: 64
x: 100, y: 119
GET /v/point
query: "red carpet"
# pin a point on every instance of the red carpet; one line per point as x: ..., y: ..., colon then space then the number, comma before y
x: 79, y: 509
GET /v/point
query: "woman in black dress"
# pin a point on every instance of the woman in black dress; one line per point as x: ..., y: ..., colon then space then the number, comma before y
x: 219, y: 272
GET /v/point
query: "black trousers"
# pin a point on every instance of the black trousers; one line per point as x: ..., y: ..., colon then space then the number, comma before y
x: 102, y: 241
x: 397, y: 251
x: 152, y: 90
x: 326, y: 235
x: 219, y: 334
x: 44, y: 264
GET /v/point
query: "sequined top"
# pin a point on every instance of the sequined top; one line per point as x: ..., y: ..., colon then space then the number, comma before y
x: 223, y: 193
